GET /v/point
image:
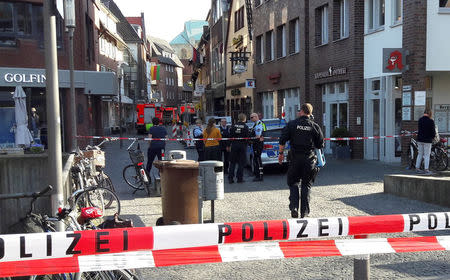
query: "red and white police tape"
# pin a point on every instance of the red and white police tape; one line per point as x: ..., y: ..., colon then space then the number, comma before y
x: 231, y: 138
x: 60, y: 252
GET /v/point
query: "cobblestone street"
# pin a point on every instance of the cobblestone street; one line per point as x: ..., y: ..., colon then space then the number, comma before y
x: 343, y: 188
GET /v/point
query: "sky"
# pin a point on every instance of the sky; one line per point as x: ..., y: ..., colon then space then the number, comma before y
x: 165, y: 18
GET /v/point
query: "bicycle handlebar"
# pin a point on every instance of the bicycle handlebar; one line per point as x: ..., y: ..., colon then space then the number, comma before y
x: 25, y: 195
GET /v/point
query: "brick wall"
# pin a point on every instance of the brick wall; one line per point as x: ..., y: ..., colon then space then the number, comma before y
x: 414, y: 40
x: 340, y: 53
x: 291, y: 69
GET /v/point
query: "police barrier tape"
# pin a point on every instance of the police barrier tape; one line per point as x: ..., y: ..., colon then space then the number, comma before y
x: 235, y: 138
x: 146, y: 258
x: 58, y: 252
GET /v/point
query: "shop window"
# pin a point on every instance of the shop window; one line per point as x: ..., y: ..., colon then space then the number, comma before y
x: 23, y: 12
x: 340, y: 87
x: 376, y: 85
x: 343, y: 115
x: 331, y: 88
x: 397, y: 12
x: 269, y: 46
x: 6, y: 17
x: 281, y: 41
x: 294, y: 36
x: 321, y: 25
x: 375, y: 14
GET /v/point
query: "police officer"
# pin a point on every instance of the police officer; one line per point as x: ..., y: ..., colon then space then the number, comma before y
x: 238, y: 149
x: 199, y: 145
x: 305, y: 136
x: 258, y: 145
x: 224, y: 144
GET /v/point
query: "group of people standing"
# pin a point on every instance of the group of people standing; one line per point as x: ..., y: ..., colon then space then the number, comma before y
x: 232, y: 153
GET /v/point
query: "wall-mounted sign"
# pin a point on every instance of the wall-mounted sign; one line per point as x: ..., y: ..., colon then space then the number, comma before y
x: 240, y: 68
x: 24, y: 78
x: 235, y: 92
x: 199, y: 90
x: 250, y: 83
x: 420, y: 98
x: 406, y: 100
x: 275, y: 78
x: 331, y: 73
x: 406, y: 113
x: 394, y: 60
x: 237, y: 41
x: 407, y: 88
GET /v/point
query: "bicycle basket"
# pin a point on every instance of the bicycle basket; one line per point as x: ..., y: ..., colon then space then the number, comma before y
x: 136, y: 156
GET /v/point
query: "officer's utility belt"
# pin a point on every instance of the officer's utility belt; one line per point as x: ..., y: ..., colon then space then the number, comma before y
x: 302, y: 153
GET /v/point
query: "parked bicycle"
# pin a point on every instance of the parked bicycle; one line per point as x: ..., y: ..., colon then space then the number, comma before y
x: 82, y: 219
x: 438, y: 156
x: 135, y: 174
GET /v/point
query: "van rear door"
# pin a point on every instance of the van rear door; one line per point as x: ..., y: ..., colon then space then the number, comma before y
x: 149, y: 114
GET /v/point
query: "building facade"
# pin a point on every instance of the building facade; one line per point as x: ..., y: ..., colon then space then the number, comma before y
x: 335, y: 68
x: 239, y: 97
x: 22, y: 64
x: 280, y: 48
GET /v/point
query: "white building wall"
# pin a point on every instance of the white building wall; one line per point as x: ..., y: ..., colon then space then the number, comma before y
x: 390, y: 36
x: 438, y: 38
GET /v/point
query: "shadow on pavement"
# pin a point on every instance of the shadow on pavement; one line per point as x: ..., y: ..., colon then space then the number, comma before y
x: 388, y: 205
x: 411, y: 268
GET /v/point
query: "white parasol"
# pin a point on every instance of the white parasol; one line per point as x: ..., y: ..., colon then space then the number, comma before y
x: 23, y: 135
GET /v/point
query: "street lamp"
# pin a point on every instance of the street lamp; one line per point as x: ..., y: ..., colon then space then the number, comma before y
x: 69, y: 18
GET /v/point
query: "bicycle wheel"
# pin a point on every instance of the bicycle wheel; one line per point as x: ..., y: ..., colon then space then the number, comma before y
x: 440, y: 162
x: 132, y: 177
x: 123, y: 274
x: 106, y: 183
x: 99, y: 197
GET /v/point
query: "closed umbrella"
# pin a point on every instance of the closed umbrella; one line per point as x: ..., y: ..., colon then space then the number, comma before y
x: 23, y: 135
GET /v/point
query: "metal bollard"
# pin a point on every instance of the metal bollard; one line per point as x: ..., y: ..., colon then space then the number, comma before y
x: 361, y: 264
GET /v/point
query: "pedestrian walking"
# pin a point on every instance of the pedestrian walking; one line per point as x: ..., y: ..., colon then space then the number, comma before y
x: 212, y: 148
x: 305, y: 136
x: 199, y: 145
x: 35, y: 124
x: 156, y: 146
x: 238, y: 149
x: 257, y: 145
x: 425, y: 136
x: 225, y: 144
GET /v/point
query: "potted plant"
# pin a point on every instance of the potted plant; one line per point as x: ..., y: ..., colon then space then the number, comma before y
x: 341, y: 149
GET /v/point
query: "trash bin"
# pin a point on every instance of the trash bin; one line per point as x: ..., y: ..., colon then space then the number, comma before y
x: 179, y: 191
x: 176, y: 154
x: 211, y: 184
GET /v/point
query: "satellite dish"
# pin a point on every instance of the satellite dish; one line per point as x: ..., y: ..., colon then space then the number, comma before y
x: 239, y: 68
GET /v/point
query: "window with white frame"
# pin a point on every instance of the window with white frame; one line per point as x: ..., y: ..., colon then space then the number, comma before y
x: 259, y: 49
x: 322, y: 25
x: 375, y: 14
x: 344, y: 18
x: 281, y: 41
x: 397, y: 11
x: 294, y: 36
x: 269, y: 46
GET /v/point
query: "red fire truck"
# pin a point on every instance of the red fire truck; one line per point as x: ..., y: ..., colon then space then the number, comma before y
x: 146, y: 112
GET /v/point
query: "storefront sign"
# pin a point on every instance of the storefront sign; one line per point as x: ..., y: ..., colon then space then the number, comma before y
x: 394, y: 60
x: 24, y: 78
x: 420, y: 98
x: 250, y: 83
x: 331, y: 73
x: 443, y: 107
x: 199, y: 90
x: 406, y: 113
x: 407, y: 88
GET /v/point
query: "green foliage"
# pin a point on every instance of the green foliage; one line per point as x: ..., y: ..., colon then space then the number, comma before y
x: 340, y: 132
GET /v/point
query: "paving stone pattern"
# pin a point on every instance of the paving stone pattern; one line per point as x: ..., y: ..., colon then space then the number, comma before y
x: 343, y: 188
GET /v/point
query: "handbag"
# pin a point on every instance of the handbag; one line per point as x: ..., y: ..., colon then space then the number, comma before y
x: 320, y: 158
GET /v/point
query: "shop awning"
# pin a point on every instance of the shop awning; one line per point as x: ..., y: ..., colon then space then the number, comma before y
x: 93, y: 82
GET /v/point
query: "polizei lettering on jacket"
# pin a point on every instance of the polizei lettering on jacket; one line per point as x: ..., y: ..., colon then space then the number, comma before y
x: 304, y: 127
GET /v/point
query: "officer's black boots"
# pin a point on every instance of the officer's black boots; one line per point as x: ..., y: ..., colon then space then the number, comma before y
x: 231, y: 180
x: 294, y: 213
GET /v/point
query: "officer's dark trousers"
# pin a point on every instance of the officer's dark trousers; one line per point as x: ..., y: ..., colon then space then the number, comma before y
x: 300, y: 172
x: 257, y: 163
x: 226, y: 160
x: 151, y: 154
x: 237, y: 156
